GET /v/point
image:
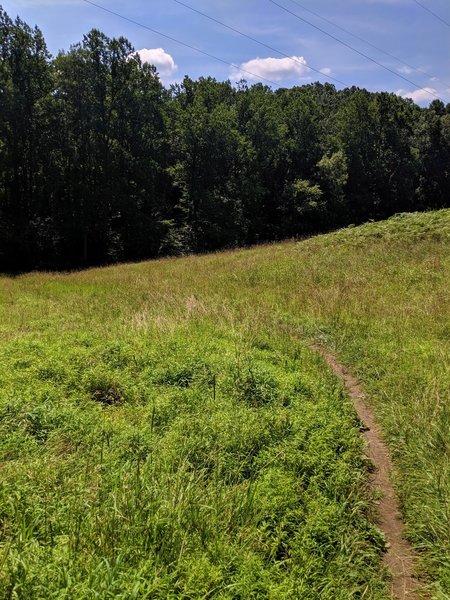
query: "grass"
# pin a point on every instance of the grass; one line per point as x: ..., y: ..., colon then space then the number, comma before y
x: 165, y: 433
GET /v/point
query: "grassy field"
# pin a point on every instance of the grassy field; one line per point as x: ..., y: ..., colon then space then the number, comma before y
x: 166, y: 433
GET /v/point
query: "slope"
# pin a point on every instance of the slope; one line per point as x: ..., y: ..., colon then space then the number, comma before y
x: 166, y: 434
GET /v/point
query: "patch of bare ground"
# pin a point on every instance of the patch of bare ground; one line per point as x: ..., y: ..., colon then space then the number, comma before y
x: 399, y: 558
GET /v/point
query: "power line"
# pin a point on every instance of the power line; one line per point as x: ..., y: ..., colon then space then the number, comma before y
x: 354, y: 49
x: 169, y: 37
x: 432, y: 13
x: 249, y: 37
x: 361, y: 39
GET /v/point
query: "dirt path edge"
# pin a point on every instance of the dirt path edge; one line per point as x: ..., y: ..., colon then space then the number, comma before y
x: 399, y: 557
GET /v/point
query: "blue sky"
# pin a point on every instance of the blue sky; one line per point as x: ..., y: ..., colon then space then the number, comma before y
x: 400, y: 27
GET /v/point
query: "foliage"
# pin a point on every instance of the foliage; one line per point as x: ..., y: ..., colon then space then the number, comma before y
x: 99, y: 163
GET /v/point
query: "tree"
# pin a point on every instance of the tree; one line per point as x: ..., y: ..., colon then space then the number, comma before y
x: 376, y: 133
x: 206, y: 149
x: 108, y: 151
x: 24, y: 83
x: 433, y: 142
x: 99, y: 163
x: 332, y: 173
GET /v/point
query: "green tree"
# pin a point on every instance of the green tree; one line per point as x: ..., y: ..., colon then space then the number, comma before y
x: 332, y: 174
x: 24, y: 83
x: 205, y: 150
x: 433, y: 143
x: 376, y: 133
x: 108, y: 151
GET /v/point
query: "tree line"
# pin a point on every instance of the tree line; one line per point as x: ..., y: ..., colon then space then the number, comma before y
x: 100, y: 163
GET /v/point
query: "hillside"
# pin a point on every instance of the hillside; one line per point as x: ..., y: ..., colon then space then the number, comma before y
x: 167, y: 432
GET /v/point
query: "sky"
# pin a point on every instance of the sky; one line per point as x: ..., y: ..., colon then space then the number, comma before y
x: 299, y: 52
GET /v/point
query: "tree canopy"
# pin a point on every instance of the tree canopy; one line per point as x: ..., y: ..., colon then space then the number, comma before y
x: 100, y: 163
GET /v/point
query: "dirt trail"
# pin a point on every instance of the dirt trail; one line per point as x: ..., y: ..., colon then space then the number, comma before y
x: 399, y: 557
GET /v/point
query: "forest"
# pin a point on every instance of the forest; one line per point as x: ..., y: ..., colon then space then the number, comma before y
x: 100, y: 163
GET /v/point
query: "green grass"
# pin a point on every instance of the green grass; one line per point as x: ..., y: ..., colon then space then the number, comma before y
x: 165, y: 433
x: 194, y: 463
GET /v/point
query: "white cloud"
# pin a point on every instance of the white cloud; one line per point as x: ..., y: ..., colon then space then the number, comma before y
x: 163, y: 61
x: 326, y: 71
x: 420, y: 96
x: 405, y: 70
x: 276, y: 69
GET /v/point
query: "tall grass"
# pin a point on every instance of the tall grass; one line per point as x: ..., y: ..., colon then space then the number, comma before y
x: 192, y: 464
x: 164, y: 434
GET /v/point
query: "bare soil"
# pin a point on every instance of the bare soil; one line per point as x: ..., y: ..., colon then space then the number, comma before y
x: 399, y: 557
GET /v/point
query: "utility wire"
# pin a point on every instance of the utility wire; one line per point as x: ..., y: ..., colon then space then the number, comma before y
x: 354, y: 49
x: 432, y: 13
x: 249, y: 37
x: 112, y: 12
x: 361, y: 39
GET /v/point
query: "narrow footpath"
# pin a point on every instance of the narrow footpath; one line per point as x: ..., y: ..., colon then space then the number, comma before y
x: 399, y: 557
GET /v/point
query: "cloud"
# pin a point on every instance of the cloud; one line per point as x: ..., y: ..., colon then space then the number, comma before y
x: 163, y: 61
x: 420, y: 96
x: 405, y: 70
x: 276, y: 69
x: 326, y: 71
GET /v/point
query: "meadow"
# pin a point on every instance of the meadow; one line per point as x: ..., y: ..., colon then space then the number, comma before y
x: 167, y: 432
